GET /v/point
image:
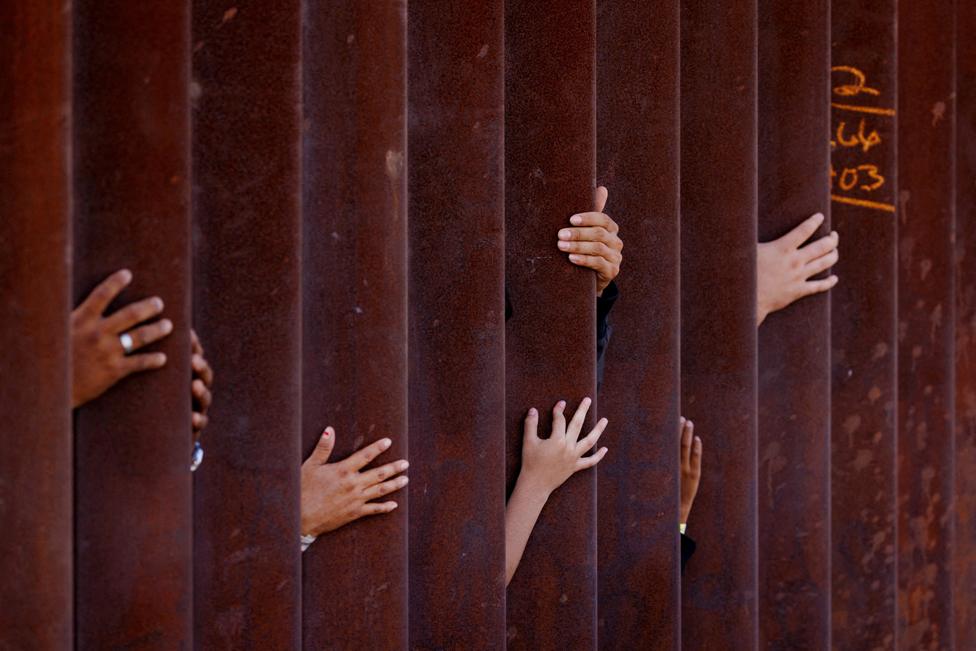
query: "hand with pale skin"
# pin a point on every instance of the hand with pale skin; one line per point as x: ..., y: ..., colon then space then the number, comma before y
x: 784, y: 269
x: 201, y: 386
x: 546, y: 465
x: 594, y: 242
x: 98, y: 359
x: 335, y: 494
x: 691, y: 457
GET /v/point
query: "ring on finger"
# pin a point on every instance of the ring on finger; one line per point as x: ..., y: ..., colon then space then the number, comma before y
x: 127, y: 344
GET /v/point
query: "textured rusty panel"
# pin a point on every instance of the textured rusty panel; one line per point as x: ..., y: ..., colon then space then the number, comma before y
x: 132, y: 445
x: 550, y: 162
x: 718, y: 315
x: 457, y: 312
x: 35, y: 408
x: 794, y: 344
x: 964, y: 564
x: 247, y: 301
x: 926, y: 323
x: 863, y: 305
x: 637, y: 159
x: 354, y: 292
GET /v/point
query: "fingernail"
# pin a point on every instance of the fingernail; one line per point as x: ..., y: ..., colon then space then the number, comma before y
x: 404, y: 481
x: 166, y: 326
x: 576, y: 219
x: 157, y: 303
x: 819, y: 215
x: 403, y: 465
x: 587, y: 400
x: 561, y: 404
x: 533, y: 412
x: 325, y: 433
x: 565, y: 234
x: 394, y: 506
x: 574, y: 257
x: 565, y: 246
x: 385, y: 443
x: 126, y: 275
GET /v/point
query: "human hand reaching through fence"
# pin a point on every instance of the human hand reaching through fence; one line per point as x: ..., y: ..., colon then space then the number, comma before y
x: 201, y: 386
x: 103, y: 347
x: 546, y: 465
x: 691, y: 458
x: 335, y: 494
x: 594, y: 242
x: 784, y: 269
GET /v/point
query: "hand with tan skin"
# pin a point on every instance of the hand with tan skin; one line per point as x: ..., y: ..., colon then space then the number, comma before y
x: 546, y: 465
x: 98, y: 359
x: 784, y: 269
x: 201, y: 386
x: 691, y: 456
x: 594, y: 242
x: 335, y: 494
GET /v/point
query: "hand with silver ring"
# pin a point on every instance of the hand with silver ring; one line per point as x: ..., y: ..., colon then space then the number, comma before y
x: 102, y: 346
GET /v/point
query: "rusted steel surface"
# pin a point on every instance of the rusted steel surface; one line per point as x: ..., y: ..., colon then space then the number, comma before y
x: 718, y: 316
x: 551, y: 338
x: 964, y: 562
x: 247, y: 303
x: 457, y: 313
x: 637, y: 159
x: 794, y: 343
x: 355, y: 304
x: 926, y: 320
x: 131, y: 181
x: 863, y: 325
x: 35, y: 394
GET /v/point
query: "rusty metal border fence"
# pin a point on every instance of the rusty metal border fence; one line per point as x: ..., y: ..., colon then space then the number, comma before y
x: 346, y: 198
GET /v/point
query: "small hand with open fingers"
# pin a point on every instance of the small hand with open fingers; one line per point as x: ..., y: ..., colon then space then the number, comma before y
x: 594, y: 242
x: 784, y: 269
x: 335, y: 494
x: 201, y: 385
x: 102, y: 347
x: 691, y: 456
x: 548, y: 463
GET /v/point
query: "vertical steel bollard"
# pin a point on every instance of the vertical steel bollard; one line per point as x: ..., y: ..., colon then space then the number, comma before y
x: 638, y: 123
x: 964, y: 563
x: 133, y: 582
x: 718, y: 316
x: 247, y: 302
x: 35, y: 277
x: 551, y: 336
x: 457, y: 312
x: 863, y: 324
x: 794, y: 344
x: 926, y: 316
x: 355, y: 304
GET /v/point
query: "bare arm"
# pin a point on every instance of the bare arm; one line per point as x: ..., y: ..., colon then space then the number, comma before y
x: 546, y: 464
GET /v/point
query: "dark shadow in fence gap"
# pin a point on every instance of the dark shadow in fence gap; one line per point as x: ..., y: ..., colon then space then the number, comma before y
x: 247, y: 302
x: 964, y: 563
x: 457, y: 337
x: 638, y: 122
x: 355, y: 304
x: 35, y: 276
x: 133, y: 528
x: 863, y: 324
x: 794, y: 344
x: 718, y: 316
x: 926, y: 322
x: 551, y: 338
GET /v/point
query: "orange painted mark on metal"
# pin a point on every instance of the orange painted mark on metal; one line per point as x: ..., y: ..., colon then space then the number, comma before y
x: 877, y: 205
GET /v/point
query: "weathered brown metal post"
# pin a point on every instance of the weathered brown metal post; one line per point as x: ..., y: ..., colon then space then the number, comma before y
x: 718, y: 315
x: 355, y: 304
x: 35, y: 277
x: 457, y: 312
x: 863, y: 324
x: 247, y: 304
x: 964, y: 551
x: 638, y: 124
x: 794, y: 344
x: 926, y: 321
x: 133, y: 582
x: 551, y: 337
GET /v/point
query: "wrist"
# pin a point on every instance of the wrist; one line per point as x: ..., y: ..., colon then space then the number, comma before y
x: 532, y: 488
